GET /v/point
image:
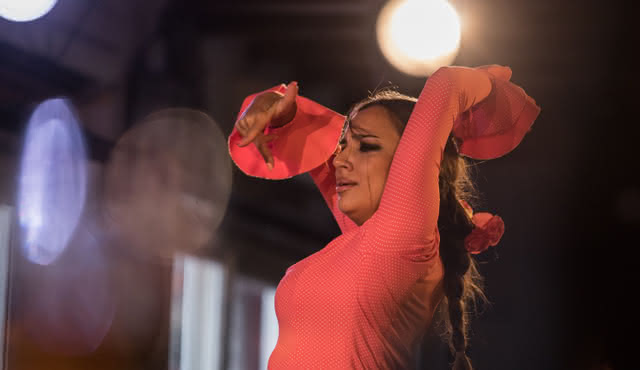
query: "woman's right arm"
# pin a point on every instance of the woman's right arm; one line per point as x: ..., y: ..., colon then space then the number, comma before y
x: 280, y: 134
x: 269, y: 109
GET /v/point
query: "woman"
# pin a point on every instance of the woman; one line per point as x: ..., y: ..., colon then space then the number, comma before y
x: 395, y: 185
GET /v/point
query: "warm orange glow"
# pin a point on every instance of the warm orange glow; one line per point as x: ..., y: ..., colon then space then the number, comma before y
x: 418, y: 36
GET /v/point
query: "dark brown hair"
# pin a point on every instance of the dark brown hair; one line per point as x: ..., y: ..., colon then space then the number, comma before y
x: 462, y: 282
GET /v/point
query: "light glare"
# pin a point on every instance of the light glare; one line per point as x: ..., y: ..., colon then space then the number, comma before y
x: 25, y: 10
x: 418, y: 36
x: 52, y: 183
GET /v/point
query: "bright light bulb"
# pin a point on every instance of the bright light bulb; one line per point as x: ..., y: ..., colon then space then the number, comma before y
x: 418, y: 36
x: 25, y: 10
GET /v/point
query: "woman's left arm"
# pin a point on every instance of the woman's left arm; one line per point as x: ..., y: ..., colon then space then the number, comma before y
x: 406, y: 220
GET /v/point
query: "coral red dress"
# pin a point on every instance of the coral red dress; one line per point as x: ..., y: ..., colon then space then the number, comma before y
x: 364, y: 299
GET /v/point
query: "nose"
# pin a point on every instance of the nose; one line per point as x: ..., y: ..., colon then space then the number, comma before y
x: 341, y: 158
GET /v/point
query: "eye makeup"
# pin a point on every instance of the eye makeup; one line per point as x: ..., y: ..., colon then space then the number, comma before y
x: 367, y: 147
x: 364, y: 146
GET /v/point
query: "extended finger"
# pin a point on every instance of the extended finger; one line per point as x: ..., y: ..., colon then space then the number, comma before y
x: 252, y: 132
x: 289, y: 98
x: 498, y: 71
x: 291, y: 93
x: 264, y: 150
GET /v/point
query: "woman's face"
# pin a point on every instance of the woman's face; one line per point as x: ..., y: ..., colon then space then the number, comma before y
x: 363, y: 161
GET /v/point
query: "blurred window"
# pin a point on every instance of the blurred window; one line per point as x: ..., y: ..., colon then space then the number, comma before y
x: 5, y: 223
x: 198, y: 319
x: 197, y: 314
x: 254, y: 327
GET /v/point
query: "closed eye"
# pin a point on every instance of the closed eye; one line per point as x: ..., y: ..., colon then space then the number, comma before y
x: 364, y: 147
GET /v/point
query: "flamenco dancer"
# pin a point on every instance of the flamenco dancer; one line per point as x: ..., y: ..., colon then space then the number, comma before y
x: 393, y: 174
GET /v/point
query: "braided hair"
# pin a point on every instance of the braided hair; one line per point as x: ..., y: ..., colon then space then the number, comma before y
x: 462, y: 282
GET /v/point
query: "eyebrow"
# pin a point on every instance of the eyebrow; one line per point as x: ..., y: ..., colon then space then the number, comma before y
x: 364, y: 134
x: 360, y: 137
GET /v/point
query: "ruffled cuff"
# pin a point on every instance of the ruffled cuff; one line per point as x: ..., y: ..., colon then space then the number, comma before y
x: 301, y: 145
x: 496, y: 125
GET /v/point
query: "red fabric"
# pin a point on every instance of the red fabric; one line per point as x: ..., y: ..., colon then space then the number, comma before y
x: 487, y: 233
x: 302, y: 145
x: 496, y: 125
x: 363, y: 300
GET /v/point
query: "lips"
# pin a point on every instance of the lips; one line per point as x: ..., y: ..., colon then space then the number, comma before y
x: 343, y: 185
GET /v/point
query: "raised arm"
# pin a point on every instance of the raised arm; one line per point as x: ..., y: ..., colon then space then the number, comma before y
x: 304, y: 143
x: 408, y: 211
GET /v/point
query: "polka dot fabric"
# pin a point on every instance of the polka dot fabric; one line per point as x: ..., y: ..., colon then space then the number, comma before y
x: 364, y: 300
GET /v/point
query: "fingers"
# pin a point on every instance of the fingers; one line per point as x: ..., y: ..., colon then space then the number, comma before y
x: 261, y: 141
x: 251, y: 126
x: 289, y: 95
x: 266, y: 154
x: 242, y: 125
x: 498, y: 71
x: 262, y: 144
x: 251, y: 135
x: 274, y: 109
x: 285, y: 108
x: 247, y: 132
x: 266, y: 109
x: 474, y: 85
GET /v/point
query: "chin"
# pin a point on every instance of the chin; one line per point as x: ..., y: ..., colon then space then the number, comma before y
x: 352, y: 214
x: 345, y: 207
x: 342, y: 207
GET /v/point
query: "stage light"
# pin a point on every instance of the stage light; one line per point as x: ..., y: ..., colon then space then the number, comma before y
x: 419, y: 36
x: 25, y: 10
x: 52, y: 182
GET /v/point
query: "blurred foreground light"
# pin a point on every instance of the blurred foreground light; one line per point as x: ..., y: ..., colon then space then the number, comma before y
x: 419, y: 36
x: 52, y: 181
x: 68, y: 307
x: 168, y: 183
x: 25, y: 10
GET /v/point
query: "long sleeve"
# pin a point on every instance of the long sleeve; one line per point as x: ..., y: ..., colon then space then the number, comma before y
x: 363, y: 300
x: 305, y: 144
x: 406, y: 220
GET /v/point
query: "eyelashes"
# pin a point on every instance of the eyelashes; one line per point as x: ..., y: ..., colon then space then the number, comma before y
x: 364, y: 147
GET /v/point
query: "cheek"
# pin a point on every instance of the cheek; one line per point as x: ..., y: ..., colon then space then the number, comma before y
x: 381, y: 182
x: 378, y: 171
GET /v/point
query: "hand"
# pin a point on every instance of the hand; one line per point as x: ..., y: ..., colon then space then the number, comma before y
x: 497, y: 71
x: 268, y: 109
x: 474, y: 84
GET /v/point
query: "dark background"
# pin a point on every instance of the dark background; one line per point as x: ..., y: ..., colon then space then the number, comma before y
x: 562, y: 282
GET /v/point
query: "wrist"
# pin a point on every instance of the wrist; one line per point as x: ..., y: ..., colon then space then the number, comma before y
x: 284, y: 119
